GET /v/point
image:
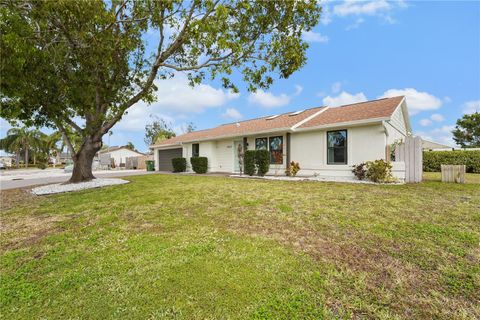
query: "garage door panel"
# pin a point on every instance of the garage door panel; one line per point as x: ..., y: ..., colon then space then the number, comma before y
x: 165, y: 158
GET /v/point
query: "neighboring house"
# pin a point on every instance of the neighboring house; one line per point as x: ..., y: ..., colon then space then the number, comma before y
x: 120, y: 154
x: 7, y: 161
x: 434, y: 146
x: 63, y: 157
x: 324, y: 140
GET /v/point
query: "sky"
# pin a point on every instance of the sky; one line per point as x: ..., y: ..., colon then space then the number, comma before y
x: 428, y: 51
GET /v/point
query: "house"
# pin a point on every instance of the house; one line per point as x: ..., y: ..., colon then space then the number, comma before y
x: 119, y: 154
x: 434, y: 146
x: 324, y: 140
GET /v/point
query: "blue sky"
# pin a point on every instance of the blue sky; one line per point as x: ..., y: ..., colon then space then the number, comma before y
x: 428, y: 51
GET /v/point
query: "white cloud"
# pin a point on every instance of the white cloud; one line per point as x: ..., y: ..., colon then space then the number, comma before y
x: 344, y: 98
x: 425, y: 122
x: 361, y: 7
x: 441, y: 134
x: 232, y: 113
x: 311, y: 36
x: 437, y: 117
x: 350, y: 8
x: 471, y: 107
x: 268, y: 99
x: 175, y: 99
x: 298, y: 89
x: 416, y: 100
x: 336, y: 87
x: 355, y: 25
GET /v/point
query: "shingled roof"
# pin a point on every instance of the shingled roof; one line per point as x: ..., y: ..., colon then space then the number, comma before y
x: 309, y: 118
x: 375, y: 109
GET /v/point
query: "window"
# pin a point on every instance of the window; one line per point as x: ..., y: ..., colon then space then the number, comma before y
x: 195, y: 150
x: 276, y: 150
x: 337, y: 147
x: 261, y: 144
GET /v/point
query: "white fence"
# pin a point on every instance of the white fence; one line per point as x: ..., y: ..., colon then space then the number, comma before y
x: 410, y: 152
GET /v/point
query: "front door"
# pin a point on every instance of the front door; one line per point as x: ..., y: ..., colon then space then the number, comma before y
x: 237, y: 150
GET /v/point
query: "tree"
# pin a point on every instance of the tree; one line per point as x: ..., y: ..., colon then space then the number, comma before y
x: 130, y: 145
x: 49, y: 144
x: 467, y: 131
x: 157, y: 130
x: 190, y: 127
x: 89, y: 60
x: 21, y: 140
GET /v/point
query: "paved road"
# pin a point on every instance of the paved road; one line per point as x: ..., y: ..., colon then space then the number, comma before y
x: 31, y: 177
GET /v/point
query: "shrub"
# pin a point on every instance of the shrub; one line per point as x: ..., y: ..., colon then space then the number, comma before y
x: 42, y: 166
x: 262, y: 161
x: 360, y: 170
x: 432, y: 160
x: 179, y: 164
x: 292, y: 169
x: 249, y: 162
x: 199, y: 164
x: 379, y: 171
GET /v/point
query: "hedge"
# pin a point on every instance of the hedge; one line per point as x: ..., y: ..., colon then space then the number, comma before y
x: 179, y: 164
x: 199, y: 164
x: 262, y: 161
x: 249, y: 162
x: 433, y: 159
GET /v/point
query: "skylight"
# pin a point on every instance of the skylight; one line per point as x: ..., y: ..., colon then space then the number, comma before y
x: 272, y: 117
x: 296, y: 113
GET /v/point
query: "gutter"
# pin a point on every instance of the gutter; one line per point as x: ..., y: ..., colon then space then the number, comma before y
x: 344, y: 124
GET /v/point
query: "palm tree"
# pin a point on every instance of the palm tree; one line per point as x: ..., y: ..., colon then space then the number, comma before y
x: 49, y: 144
x: 19, y: 139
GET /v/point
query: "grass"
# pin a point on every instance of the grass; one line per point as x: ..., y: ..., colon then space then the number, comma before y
x: 200, y: 247
x: 437, y: 176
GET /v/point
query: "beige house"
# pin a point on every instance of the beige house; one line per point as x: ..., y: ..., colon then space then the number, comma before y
x: 119, y: 155
x: 324, y: 140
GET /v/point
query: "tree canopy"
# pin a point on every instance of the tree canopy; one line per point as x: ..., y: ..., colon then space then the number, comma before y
x: 467, y: 131
x: 79, y: 65
x: 157, y: 130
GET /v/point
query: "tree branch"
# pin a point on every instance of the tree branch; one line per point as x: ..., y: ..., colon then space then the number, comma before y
x: 65, y: 138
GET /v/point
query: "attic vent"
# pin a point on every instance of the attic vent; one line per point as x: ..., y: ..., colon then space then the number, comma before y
x: 272, y: 117
x: 296, y: 113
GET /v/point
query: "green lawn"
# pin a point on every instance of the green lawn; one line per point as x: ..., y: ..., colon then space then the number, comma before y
x: 202, y: 247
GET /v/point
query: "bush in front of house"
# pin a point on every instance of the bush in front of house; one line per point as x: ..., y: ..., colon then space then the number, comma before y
x: 249, y: 162
x: 292, y: 169
x: 179, y: 164
x: 199, y: 164
x: 379, y: 171
x: 432, y: 160
x: 262, y: 162
x: 360, y: 170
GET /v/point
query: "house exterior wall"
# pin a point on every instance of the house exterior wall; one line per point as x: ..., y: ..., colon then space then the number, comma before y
x: 309, y: 148
x: 396, y: 127
x: 120, y: 155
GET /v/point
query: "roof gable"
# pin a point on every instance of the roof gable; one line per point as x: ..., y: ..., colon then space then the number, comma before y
x: 376, y: 109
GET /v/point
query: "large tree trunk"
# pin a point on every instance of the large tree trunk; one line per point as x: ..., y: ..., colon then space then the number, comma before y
x: 83, y: 160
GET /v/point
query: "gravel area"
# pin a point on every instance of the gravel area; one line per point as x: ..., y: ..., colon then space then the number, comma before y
x: 60, y: 188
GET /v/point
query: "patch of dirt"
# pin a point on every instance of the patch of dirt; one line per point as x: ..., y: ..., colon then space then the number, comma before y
x: 21, y: 231
x: 16, y: 197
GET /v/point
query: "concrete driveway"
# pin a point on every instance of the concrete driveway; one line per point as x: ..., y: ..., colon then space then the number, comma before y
x: 11, y: 179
